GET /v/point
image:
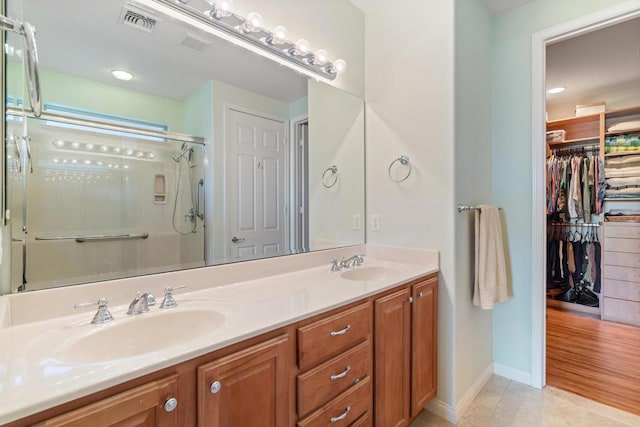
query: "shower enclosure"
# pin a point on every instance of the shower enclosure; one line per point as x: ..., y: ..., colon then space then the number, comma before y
x: 91, y: 200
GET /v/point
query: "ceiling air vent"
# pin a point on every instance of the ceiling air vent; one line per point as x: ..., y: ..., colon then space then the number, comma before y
x: 135, y: 19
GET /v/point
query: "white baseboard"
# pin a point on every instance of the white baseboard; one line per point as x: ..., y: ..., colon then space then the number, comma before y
x: 512, y: 373
x: 454, y: 414
x: 442, y: 409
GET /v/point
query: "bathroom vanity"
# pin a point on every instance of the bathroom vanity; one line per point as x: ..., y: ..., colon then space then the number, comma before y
x: 305, y: 348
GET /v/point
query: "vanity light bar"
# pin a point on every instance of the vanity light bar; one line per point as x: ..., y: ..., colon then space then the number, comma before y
x: 249, y: 34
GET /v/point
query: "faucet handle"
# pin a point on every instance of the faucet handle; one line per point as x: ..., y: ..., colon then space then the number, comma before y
x: 102, y: 315
x: 169, y: 301
x: 359, y: 260
x: 335, y: 266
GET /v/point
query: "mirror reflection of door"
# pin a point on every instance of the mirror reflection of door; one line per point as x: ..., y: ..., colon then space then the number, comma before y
x: 256, y: 171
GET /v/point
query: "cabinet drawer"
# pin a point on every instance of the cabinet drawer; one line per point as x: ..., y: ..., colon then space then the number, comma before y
x: 326, y: 381
x: 363, y: 421
x: 622, y: 290
x: 621, y: 311
x: 344, y: 409
x: 624, y: 231
x: 622, y: 259
x: 622, y: 245
x: 332, y: 334
x: 627, y: 274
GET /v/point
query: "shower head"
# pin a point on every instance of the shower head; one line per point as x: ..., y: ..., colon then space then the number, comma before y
x: 184, y: 151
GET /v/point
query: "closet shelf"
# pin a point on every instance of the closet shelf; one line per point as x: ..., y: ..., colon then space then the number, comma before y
x: 628, y: 199
x: 621, y: 153
x: 623, y: 132
x: 577, y: 141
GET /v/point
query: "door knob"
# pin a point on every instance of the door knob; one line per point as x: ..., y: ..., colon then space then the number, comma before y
x: 235, y: 239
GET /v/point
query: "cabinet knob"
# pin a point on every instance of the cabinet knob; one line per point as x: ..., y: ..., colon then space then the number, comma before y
x: 171, y: 404
x: 421, y: 295
x: 215, y: 387
x: 410, y: 300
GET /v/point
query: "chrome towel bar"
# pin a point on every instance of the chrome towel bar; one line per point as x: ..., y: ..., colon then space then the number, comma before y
x: 97, y: 238
x: 463, y: 208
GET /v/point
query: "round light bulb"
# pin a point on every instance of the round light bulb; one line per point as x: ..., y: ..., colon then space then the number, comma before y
x: 220, y: 9
x: 339, y: 66
x: 225, y: 7
x: 253, y: 24
x: 279, y: 35
x: 302, y: 48
x: 321, y: 57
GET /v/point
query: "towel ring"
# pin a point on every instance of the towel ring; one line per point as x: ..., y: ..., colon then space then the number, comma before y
x: 404, y: 161
x: 334, y: 171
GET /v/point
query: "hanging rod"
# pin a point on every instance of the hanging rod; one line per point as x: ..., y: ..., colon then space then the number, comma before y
x: 572, y: 224
x: 100, y: 237
x: 63, y: 118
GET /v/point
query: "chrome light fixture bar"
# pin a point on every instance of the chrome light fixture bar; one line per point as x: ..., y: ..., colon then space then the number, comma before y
x: 249, y: 33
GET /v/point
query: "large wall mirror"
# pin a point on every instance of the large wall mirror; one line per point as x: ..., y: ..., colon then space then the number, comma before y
x: 209, y: 154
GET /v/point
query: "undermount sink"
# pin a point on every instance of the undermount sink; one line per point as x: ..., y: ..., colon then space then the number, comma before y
x: 141, y: 334
x: 367, y: 274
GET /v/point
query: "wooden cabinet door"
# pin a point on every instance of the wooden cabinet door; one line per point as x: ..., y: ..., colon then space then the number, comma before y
x: 142, y: 406
x: 248, y: 388
x: 424, y: 340
x: 392, y: 359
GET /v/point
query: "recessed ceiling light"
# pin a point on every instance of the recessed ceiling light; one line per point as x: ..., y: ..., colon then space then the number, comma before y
x: 122, y: 75
x: 555, y: 90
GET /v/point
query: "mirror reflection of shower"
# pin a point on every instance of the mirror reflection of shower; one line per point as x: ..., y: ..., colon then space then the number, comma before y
x: 189, y: 218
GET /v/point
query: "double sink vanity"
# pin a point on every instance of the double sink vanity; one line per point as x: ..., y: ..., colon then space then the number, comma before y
x: 273, y: 342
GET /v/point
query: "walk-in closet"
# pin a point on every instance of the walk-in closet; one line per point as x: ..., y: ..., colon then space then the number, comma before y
x: 593, y: 215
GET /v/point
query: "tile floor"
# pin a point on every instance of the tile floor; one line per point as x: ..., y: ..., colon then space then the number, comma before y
x: 506, y: 403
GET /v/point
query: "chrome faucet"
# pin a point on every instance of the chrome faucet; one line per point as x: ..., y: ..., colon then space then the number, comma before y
x: 354, y: 261
x: 102, y: 315
x: 335, y: 266
x: 141, y: 303
x: 169, y: 301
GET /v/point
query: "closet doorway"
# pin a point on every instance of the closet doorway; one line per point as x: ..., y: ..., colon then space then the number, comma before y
x: 592, y: 214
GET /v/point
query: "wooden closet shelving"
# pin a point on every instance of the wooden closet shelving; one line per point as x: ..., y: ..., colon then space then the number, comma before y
x: 580, y: 131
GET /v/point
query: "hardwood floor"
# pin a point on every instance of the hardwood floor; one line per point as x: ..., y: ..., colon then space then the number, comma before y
x: 595, y: 359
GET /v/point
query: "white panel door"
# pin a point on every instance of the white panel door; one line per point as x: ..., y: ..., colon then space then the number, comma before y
x: 256, y: 171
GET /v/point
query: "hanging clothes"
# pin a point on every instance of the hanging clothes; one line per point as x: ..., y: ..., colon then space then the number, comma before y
x: 575, y: 187
x: 573, y: 263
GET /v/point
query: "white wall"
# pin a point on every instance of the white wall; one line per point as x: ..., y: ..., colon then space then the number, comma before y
x: 334, y: 25
x: 472, y: 183
x: 409, y: 93
x: 512, y: 166
x: 336, y: 137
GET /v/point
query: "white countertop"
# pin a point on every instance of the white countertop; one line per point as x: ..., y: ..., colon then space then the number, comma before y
x: 38, y: 372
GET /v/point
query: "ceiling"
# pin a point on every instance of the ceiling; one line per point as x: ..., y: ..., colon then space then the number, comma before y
x: 595, y: 64
x: 86, y: 38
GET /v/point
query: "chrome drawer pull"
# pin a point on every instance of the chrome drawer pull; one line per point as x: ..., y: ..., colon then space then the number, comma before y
x: 340, y: 375
x: 342, y: 332
x: 341, y: 417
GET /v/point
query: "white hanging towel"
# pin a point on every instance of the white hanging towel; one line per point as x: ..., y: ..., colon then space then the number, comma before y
x: 491, y: 272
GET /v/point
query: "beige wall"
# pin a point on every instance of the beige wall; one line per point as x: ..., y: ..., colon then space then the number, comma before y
x: 410, y: 111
